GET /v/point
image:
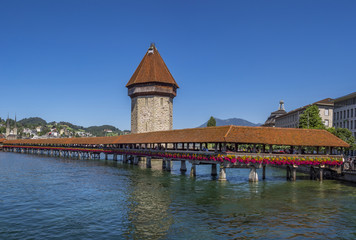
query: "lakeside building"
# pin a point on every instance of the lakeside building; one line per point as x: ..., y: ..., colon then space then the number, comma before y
x: 345, y: 112
x: 291, y: 119
x: 271, y: 120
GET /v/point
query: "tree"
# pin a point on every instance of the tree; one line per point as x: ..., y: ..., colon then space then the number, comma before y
x: 211, y: 122
x: 310, y: 118
x: 344, y: 134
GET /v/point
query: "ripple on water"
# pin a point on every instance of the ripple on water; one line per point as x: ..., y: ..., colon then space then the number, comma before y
x: 49, y: 198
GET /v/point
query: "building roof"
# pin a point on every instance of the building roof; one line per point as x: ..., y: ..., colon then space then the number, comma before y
x: 2, y: 140
x: 348, y: 96
x: 152, y: 69
x: 223, y: 134
x: 324, y: 102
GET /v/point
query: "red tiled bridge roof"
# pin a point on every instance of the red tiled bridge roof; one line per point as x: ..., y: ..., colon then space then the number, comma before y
x: 224, y: 134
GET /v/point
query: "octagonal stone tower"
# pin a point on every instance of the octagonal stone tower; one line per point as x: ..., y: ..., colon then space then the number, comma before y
x: 152, y: 89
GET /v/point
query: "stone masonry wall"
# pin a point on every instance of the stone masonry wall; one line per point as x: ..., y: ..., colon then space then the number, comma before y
x: 151, y: 113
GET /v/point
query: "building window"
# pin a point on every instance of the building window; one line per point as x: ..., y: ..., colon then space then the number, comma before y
x: 352, y: 113
x: 337, y: 114
x: 348, y: 113
x: 326, y: 123
x: 326, y: 112
x: 161, y: 101
x: 351, y: 127
x: 146, y: 101
x: 347, y: 124
x: 344, y: 114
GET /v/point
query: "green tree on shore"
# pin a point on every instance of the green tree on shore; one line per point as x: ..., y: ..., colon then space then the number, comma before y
x: 211, y: 122
x: 344, y: 134
x: 310, y: 118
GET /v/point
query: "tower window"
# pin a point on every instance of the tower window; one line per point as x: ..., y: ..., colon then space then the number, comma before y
x: 146, y: 101
x: 161, y: 101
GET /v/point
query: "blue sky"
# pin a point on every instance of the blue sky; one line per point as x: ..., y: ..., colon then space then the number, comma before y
x: 69, y: 60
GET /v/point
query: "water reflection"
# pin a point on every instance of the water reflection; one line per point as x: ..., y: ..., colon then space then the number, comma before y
x: 95, y: 199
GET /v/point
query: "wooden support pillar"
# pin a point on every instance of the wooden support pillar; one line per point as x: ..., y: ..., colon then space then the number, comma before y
x: 124, y: 160
x: 148, y: 162
x: 264, y: 172
x: 183, y: 167
x: 253, y: 177
x: 106, y: 156
x: 168, y: 165
x: 193, y: 170
x: 164, y: 164
x: 321, y: 173
x: 223, y: 147
x: 311, y: 173
x: 288, y: 173
x: 114, y: 157
x: 294, y: 174
x: 222, y: 174
x: 270, y: 150
x: 214, y: 171
x: 135, y: 160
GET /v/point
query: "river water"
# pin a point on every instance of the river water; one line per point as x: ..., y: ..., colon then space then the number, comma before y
x: 56, y: 198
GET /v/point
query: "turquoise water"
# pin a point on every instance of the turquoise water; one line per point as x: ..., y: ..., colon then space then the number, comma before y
x: 56, y: 198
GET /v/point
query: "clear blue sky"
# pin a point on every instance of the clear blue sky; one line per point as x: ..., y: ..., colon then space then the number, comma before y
x: 69, y: 60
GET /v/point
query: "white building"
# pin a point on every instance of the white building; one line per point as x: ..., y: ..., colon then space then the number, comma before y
x: 345, y: 112
x: 291, y: 119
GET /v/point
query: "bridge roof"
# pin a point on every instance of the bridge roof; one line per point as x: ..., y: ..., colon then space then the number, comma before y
x: 152, y: 69
x: 224, y: 134
x: 2, y: 140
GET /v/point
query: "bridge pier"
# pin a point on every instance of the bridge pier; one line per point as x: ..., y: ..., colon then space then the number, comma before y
x: 193, y: 170
x: 135, y: 160
x: 168, y: 165
x: 321, y: 173
x: 291, y: 173
x: 124, y: 160
x: 114, y: 157
x: 183, y: 167
x: 264, y: 172
x: 148, y: 162
x: 106, y: 156
x: 163, y: 164
x: 214, y: 171
x: 222, y: 174
x: 253, y: 177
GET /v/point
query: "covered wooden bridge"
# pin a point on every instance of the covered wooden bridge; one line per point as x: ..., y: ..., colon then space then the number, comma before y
x: 226, y: 146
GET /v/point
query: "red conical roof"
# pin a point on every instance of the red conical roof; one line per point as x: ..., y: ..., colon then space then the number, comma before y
x: 152, y: 69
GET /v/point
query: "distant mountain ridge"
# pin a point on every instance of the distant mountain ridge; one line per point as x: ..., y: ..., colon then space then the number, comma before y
x: 233, y: 121
x: 95, y: 130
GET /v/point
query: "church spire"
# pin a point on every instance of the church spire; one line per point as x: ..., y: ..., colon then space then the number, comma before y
x: 7, y: 126
x: 7, y: 121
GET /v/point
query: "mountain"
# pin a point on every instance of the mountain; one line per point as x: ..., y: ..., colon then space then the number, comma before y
x: 232, y: 121
x: 100, y: 131
x: 32, y: 121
